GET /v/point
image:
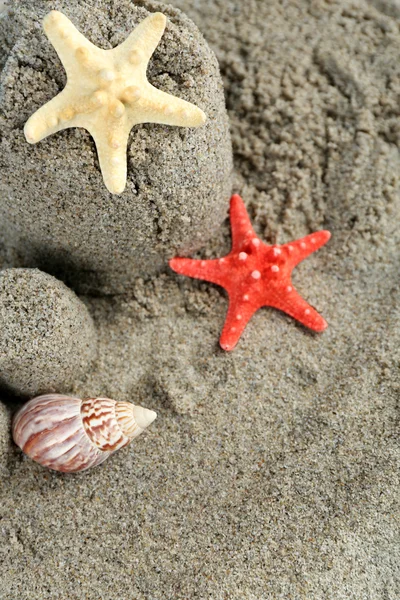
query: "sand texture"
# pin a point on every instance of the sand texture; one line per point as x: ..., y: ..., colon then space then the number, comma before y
x: 272, y: 472
x: 57, y: 214
x: 47, y: 336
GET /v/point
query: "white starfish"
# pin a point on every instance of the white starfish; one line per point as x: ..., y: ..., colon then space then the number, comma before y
x: 107, y: 93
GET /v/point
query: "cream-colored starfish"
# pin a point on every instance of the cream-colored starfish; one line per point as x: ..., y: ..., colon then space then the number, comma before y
x: 107, y: 93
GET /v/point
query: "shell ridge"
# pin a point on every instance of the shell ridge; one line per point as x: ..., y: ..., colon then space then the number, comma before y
x: 38, y: 437
x: 83, y: 423
x: 73, y: 460
x: 126, y: 420
x: 78, y: 457
x: 30, y: 416
x: 57, y: 441
x: 123, y: 439
x: 101, y: 424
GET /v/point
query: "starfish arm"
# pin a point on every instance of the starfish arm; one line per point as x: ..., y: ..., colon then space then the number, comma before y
x: 139, y: 47
x: 241, y: 227
x: 239, y: 314
x: 206, y: 270
x: 156, y: 106
x: 295, y: 306
x: 71, y: 46
x: 300, y: 249
x: 67, y: 109
x: 50, y: 118
x: 111, y: 145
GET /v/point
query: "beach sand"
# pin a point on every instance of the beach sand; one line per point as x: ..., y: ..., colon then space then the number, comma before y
x: 272, y: 472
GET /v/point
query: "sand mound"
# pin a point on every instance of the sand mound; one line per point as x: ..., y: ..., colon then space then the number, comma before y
x: 57, y: 214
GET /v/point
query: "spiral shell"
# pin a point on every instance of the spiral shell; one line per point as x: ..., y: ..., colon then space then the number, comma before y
x: 69, y: 434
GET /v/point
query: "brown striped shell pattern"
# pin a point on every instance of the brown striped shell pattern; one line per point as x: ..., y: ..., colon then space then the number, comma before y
x: 69, y: 434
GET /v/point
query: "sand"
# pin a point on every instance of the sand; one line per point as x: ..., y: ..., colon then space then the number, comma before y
x: 271, y: 472
x: 48, y: 338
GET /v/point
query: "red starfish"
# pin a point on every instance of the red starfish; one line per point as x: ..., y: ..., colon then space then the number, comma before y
x: 256, y: 275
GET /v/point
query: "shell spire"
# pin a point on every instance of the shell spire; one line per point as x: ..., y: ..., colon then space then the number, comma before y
x: 69, y: 434
x: 133, y: 419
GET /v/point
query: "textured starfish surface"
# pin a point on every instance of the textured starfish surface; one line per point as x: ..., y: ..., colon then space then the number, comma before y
x: 255, y: 275
x: 107, y: 93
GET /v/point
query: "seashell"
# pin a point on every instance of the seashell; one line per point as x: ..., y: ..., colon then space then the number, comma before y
x: 69, y: 434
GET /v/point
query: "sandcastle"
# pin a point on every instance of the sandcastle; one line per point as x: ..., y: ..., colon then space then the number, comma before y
x: 122, y: 161
x: 58, y: 215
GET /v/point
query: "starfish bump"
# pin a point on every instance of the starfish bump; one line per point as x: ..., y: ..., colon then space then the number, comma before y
x: 107, y: 93
x: 255, y: 275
